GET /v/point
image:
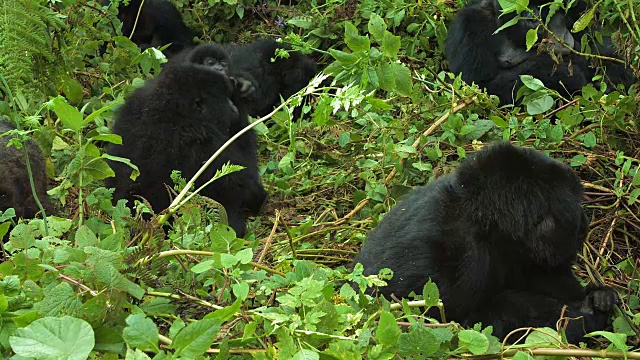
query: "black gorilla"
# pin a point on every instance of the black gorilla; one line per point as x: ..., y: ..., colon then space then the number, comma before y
x: 496, y: 61
x: 283, y: 77
x: 498, y: 237
x: 15, y: 190
x: 159, y: 23
x: 176, y: 122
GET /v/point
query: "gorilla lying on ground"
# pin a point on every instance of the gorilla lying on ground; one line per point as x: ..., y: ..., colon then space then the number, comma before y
x: 159, y: 23
x: 176, y: 122
x: 498, y: 236
x: 15, y: 190
x: 496, y: 61
x: 272, y: 80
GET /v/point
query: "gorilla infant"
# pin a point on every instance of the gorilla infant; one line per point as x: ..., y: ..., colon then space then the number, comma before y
x: 282, y: 77
x: 15, y: 190
x: 159, y: 23
x: 498, y: 236
x: 176, y: 122
x: 496, y: 61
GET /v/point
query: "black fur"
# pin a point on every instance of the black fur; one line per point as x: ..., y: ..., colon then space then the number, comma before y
x: 176, y: 122
x: 496, y: 62
x: 159, y: 23
x: 498, y: 236
x: 284, y: 77
x: 15, y: 190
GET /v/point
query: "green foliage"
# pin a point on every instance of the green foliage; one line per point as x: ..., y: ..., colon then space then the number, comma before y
x: 102, y: 283
x: 371, y: 67
x: 24, y: 29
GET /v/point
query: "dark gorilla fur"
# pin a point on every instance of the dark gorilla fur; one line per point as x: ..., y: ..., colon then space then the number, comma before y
x: 176, y: 122
x: 496, y: 61
x: 15, y: 190
x: 159, y: 23
x: 498, y: 236
x: 284, y: 77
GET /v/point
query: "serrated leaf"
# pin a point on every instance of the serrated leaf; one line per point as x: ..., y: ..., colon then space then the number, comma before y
x: 388, y: 331
x: 85, y: 237
x: 141, y: 333
x: 390, y: 45
x: 54, y: 338
x: 354, y: 41
x: 195, y: 339
x: 306, y: 354
x: 476, y: 342
x: 376, y: 27
x: 419, y: 341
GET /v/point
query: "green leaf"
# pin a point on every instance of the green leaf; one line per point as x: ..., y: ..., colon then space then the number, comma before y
x: 98, y: 169
x: 111, y: 138
x: 135, y: 171
x: 241, y: 290
x: 542, y: 337
x: 507, y: 24
x: 377, y: 27
x: 538, y: 103
x: 72, y: 89
x: 532, y: 83
x: 431, y: 294
x: 306, y: 354
x: 513, y: 5
x: 555, y: 133
x: 203, y: 266
x: 476, y: 342
x: 70, y: 117
x: 419, y: 341
x: 61, y: 300
x: 583, y: 21
x: 589, y: 139
x: 54, y: 338
x: 245, y: 255
x: 354, y: 41
x: 532, y: 38
x: 390, y: 45
x: 225, y: 313
x: 522, y: 355
x: 195, y: 339
x: 141, y: 333
x: 388, y: 331
x: 85, y: 237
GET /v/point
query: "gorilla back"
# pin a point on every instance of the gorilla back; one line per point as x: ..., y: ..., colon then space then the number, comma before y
x: 496, y: 61
x: 15, y: 190
x: 176, y: 122
x: 498, y: 236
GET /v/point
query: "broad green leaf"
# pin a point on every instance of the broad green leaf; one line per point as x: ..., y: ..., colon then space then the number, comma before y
x: 419, y: 341
x: 70, y: 117
x: 141, y: 333
x: 111, y: 138
x: 513, y: 5
x: 542, y: 336
x: 135, y: 171
x: 431, y: 294
x: 225, y: 313
x: 85, y: 237
x: 476, y: 342
x: 54, y: 338
x: 61, y: 300
x: 241, y: 290
x: 538, y: 103
x: 306, y: 354
x: 507, y: 24
x: 589, y: 139
x: 203, y: 266
x: 95, y: 114
x: 388, y: 331
x: 344, y: 58
x: 532, y: 83
x: 390, y: 45
x: 245, y: 255
x: 522, y: 355
x: 354, y: 41
x: 377, y: 27
x: 195, y: 339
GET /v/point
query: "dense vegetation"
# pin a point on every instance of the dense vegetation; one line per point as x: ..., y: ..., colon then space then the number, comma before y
x: 95, y: 279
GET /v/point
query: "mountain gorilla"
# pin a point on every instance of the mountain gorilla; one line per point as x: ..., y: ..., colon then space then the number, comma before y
x: 176, y: 122
x: 498, y: 237
x: 15, y: 190
x: 159, y: 23
x: 496, y: 61
x: 271, y: 79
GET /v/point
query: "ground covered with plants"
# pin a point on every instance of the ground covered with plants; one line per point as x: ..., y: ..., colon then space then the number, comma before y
x: 98, y: 280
